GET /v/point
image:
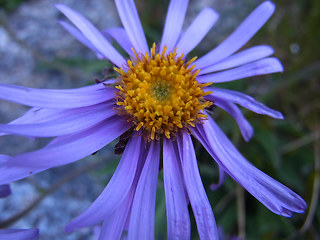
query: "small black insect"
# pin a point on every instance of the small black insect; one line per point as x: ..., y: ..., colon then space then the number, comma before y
x: 211, y: 108
x: 123, y: 140
x: 94, y: 153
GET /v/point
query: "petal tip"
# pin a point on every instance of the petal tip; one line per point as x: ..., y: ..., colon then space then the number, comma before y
x: 212, y: 11
x: 59, y: 6
x: 268, y: 5
x: 247, y: 138
x: 248, y: 134
x: 280, y: 66
x: 279, y: 116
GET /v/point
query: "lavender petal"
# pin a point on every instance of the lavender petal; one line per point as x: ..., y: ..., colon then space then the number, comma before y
x: 275, y: 196
x: 141, y: 225
x: 11, y: 174
x: 58, y: 99
x: 65, y: 122
x: 197, y: 31
x: 70, y: 148
x: 80, y: 37
x: 243, y: 100
x: 121, y: 36
x: 131, y: 22
x: 246, y: 56
x: 222, y: 178
x: 93, y: 35
x: 239, y: 37
x: 260, y: 67
x: 178, y: 220
x: 115, y: 192
x: 199, y: 201
x: 173, y: 24
x: 244, y: 125
x: 114, y: 225
x: 8, y: 175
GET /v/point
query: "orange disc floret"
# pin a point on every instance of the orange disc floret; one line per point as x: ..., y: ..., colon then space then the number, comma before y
x: 160, y: 93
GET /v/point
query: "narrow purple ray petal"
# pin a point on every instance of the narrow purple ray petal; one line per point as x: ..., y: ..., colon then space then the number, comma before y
x: 131, y: 22
x: 115, y: 192
x: 114, y: 225
x: 260, y: 67
x: 93, y: 35
x: 197, y: 31
x: 222, y: 178
x: 38, y: 115
x: 19, y: 234
x: 66, y: 122
x: 173, y: 25
x: 11, y: 174
x: 240, y: 36
x: 121, y: 36
x: 243, y: 100
x: 244, y: 125
x: 72, y: 147
x: 141, y: 224
x: 3, y: 159
x: 246, y: 56
x: 80, y: 37
x: 275, y: 196
x: 178, y: 220
x: 47, y: 98
x: 92, y: 87
x: 5, y: 190
x: 199, y: 202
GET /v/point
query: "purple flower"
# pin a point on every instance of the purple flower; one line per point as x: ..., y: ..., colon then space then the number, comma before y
x: 158, y: 100
x: 19, y: 234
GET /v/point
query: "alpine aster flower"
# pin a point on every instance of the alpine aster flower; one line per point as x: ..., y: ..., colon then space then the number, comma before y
x: 157, y: 102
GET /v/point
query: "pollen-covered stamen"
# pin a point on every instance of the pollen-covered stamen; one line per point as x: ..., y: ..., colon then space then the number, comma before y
x: 160, y: 93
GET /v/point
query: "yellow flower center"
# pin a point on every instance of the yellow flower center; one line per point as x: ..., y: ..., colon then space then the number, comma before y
x: 160, y: 94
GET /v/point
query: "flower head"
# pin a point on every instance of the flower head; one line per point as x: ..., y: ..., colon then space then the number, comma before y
x: 158, y: 100
x: 160, y: 94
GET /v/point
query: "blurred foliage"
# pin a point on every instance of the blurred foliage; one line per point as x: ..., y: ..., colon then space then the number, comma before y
x: 9, y: 5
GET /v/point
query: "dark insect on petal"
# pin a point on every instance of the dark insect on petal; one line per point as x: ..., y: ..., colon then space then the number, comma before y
x: 123, y: 140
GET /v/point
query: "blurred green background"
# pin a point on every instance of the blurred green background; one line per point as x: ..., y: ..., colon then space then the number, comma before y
x: 288, y: 150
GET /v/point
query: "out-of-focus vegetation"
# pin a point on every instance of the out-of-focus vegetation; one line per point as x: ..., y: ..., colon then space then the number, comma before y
x: 10, y: 5
x: 288, y: 150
